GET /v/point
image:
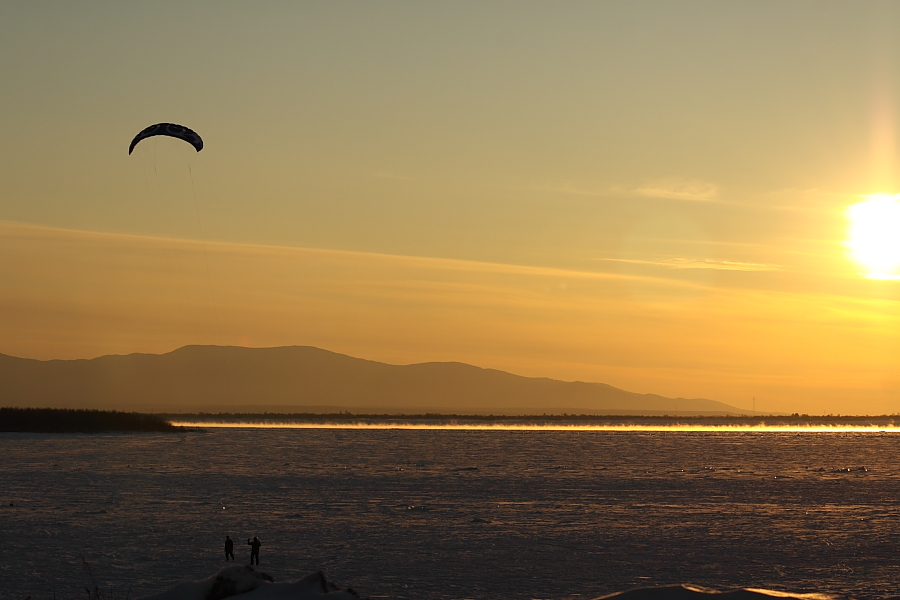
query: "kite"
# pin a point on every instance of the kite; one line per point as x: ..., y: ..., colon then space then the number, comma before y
x: 171, y: 130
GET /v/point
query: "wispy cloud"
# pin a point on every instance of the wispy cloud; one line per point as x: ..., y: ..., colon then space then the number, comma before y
x: 699, y: 263
x: 694, y: 190
x: 44, y: 242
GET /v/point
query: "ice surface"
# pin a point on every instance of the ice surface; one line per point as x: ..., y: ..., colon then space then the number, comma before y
x: 399, y: 514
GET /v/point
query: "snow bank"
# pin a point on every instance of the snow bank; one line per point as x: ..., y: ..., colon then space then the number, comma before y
x: 246, y: 583
x: 693, y: 592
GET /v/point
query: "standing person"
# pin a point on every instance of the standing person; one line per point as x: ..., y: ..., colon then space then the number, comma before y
x: 254, y: 549
x: 229, y: 548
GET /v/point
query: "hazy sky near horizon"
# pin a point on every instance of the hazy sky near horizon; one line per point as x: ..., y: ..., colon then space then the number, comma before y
x: 649, y: 194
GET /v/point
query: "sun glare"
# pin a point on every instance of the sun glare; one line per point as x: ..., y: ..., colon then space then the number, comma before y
x: 874, y: 235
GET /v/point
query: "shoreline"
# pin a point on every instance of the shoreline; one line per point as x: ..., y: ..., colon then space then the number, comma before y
x: 54, y: 420
x: 71, y: 420
x: 565, y: 422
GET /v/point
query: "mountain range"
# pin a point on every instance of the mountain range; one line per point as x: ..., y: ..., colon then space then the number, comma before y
x: 308, y: 379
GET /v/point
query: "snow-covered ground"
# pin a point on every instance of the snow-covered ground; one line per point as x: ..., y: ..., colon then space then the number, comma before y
x: 250, y: 584
x: 453, y: 514
x: 245, y: 583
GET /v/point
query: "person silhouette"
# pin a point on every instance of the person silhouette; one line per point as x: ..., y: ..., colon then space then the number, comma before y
x: 254, y: 549
x: 229, y: 548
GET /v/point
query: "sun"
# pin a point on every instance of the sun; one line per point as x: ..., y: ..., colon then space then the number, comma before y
x: 874, y: 235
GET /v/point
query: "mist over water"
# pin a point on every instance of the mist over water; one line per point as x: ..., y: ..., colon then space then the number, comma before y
x: 420, y: 513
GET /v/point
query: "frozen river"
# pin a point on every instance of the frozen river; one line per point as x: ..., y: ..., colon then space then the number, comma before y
x: 438, y: 514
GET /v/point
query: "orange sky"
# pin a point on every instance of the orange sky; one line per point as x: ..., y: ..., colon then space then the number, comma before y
x: 74, y: 294
x: 651, y: 195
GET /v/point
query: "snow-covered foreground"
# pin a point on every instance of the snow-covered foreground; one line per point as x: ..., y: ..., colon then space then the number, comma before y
x: 245, y: 583
x: 248, y: 584
x: 451, y: 515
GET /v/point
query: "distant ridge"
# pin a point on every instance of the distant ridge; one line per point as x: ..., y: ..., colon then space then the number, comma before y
x: 304, y: 378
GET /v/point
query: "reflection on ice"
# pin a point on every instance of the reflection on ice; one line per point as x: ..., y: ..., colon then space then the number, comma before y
x: 692, y: 592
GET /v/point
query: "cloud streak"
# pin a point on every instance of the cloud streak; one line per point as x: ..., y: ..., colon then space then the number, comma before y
x: 699, y: 263
x: 693, y: 190
x: 676, y: 188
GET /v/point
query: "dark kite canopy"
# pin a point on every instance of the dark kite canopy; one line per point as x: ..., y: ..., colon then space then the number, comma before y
x: 171, y: 130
